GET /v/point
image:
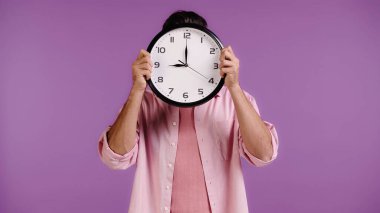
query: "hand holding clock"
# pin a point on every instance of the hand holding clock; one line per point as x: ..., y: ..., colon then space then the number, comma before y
x: 229, y: 65
x: 141, y: 67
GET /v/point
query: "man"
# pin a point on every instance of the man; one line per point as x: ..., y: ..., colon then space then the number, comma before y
x: 188, y: 159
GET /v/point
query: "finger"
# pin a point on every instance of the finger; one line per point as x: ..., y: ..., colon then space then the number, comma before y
x: 144, y: 59
x: 227, y: 70
x: 144, y: 66
x: 223, y: 54
x: 224, y: 50
x: 143, y: 53
x: 222, y: 74
x: 227, y: 63
x: 140, y: 55
x: 228, y: 55
x: 232, y: 52
x: 147, y: 74
x: 228, y: 48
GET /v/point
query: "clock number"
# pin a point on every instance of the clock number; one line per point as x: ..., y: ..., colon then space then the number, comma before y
x: 185, y: 94
x: 211, y: 80
x: 212, y: 50
x: 186, y: 35
x: 200, y: 91
x: 156, y: 64
x: 201, y: 39
x: 215, y: 65
x: 161, y: 49
x: 171, y: 90
x: 160, y: 79
x: 172, y: 39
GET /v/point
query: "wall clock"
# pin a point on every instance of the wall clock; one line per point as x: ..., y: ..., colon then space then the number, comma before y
x: 185, y: 65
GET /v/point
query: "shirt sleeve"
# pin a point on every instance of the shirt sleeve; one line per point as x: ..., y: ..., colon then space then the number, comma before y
x: 243, y: 149
x: 114, y: 160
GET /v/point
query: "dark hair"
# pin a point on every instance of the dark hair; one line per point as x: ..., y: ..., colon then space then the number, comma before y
x: 184, y: 17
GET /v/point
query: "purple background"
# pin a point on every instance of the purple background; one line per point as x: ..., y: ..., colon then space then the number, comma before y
x: 313, y: 66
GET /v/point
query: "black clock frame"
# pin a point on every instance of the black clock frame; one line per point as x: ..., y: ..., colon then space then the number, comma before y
x: 190, y: 104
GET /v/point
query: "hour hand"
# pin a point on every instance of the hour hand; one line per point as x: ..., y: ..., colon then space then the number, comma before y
x: 177, y: 65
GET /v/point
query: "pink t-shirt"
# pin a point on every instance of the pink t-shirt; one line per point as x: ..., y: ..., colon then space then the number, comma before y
x: 189, y: 187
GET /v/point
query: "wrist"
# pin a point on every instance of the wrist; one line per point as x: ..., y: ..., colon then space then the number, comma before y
x: 234, y: 88
x: 137, y: 89
x: 135, y: 93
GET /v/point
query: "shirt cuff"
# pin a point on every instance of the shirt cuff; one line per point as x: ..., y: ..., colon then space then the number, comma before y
x: 112, y: 159
x: 256, y: 161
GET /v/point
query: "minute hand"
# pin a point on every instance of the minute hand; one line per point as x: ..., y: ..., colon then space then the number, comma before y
x: 186, y: 52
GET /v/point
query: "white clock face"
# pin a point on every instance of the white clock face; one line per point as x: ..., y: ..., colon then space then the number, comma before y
x: 185, y: 65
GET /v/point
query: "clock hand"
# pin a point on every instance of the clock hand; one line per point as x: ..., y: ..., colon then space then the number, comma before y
x: 177, y: 65
x: 183, y: 63
x: 186, y: 65
x: 186, y: 52
x: 197, y: 72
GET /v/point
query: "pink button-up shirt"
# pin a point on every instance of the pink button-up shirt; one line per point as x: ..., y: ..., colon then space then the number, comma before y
x: 220, y: 145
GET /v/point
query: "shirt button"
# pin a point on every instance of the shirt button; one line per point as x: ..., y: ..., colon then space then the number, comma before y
x: 170, y: 165
x: 167, y: 187
x: 166, y: 208
x: 174, y: 123
x: 172, y: 144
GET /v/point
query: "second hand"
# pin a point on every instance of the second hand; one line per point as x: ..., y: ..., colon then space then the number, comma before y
x: 186, y: 65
